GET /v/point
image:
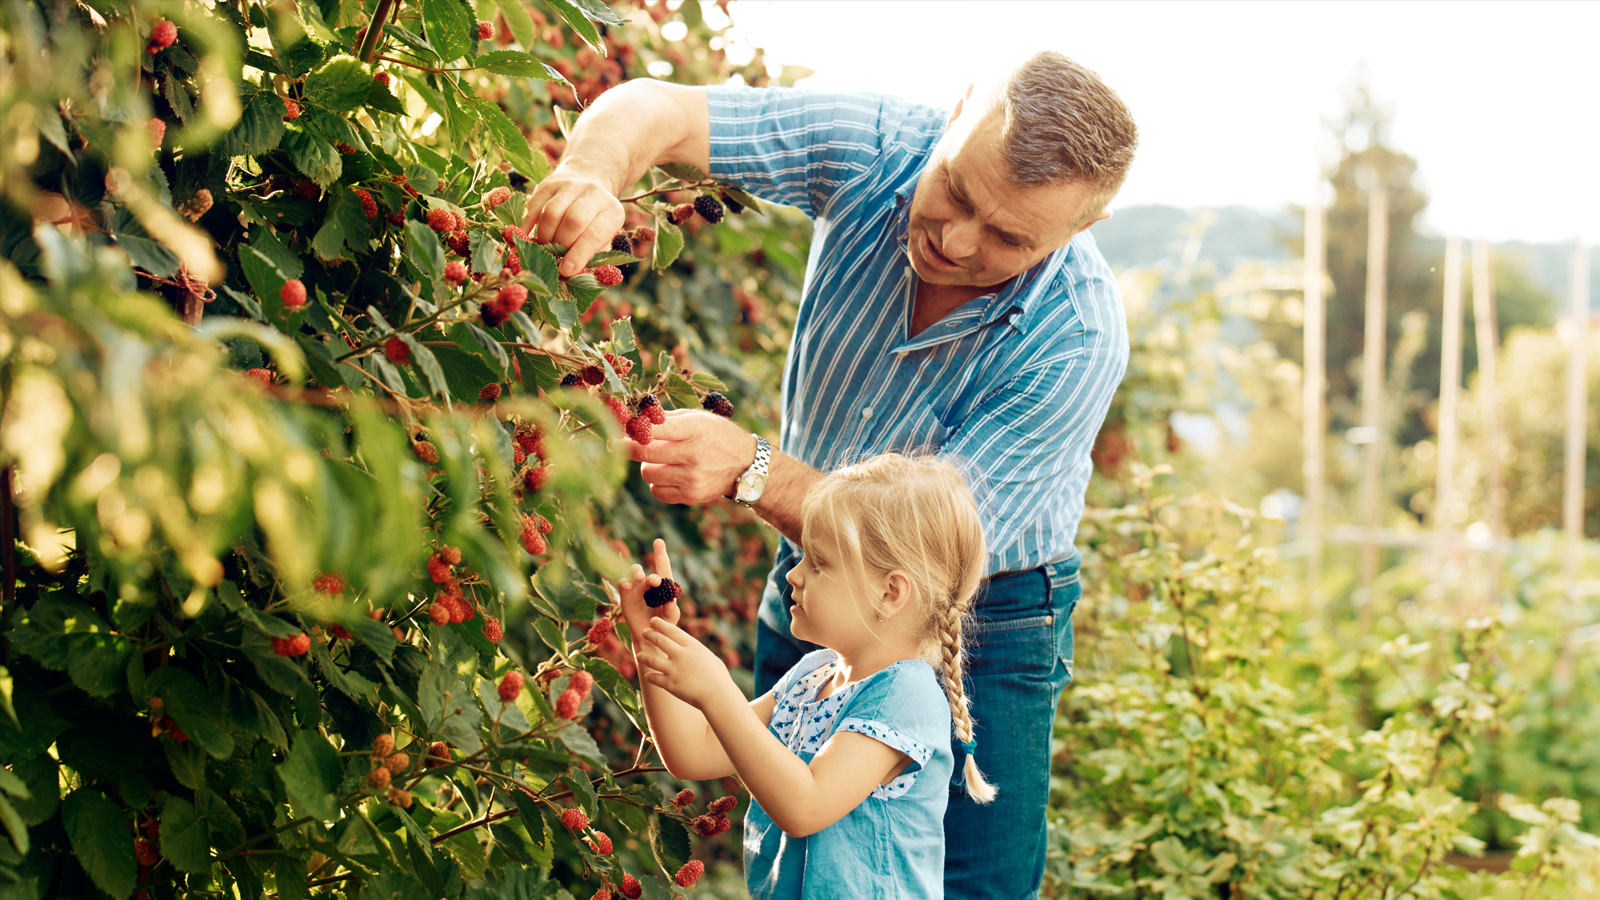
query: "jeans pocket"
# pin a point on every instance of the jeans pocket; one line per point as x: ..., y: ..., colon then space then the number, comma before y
x: 1022, y: 647
x: 1064, y: 600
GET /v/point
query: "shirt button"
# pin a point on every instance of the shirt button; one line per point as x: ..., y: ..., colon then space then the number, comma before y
x: 866, y: 412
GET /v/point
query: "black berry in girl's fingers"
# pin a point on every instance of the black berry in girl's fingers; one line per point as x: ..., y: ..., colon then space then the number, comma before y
x: 662, y: 594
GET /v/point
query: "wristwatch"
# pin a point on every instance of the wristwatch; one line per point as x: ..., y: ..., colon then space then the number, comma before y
x: 753, y: 483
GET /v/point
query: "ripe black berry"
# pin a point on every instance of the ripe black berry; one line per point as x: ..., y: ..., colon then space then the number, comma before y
x: 708, y: 208
x: 662, y: 594
x: 733, y: 205
x: 622, y: 244
x: 571, y: 379
x: 717, y: 403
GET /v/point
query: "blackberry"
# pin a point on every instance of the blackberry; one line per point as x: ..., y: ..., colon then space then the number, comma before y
x: 717, y: 403
x: 662, y: 594
x: 733, y: 205
x: 622, y: 244
x: 708, y: 208
x: 571, y: 379
x: 493, y: 315
x: 650, y: 408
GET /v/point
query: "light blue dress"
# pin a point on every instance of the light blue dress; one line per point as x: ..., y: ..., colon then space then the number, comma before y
x: 890, y: 846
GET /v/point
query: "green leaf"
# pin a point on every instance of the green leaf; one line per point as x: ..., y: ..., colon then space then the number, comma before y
x: 311, y: 775
x: 411, y: 38
x: 581, y: 743
x: 424, y: 360
x: 520, y: 22
x: 340, y: 85
x: 608, y: 679
x: 580, y: 24
x: 313, y: 156
x: 345, y: 226
x: 450, y: 28
x: 14, y: 826
x: 505, y: 133
x: 444, y: 690
x: 378, y: 637
x: 518, y: 63
x: 264, y: 276
x: 184, y: 841
x: 540, y: 264
x: 422, y: 243
x: 423, y: 179
x: 193, y: 707
x: 260, y: 126
x: 668, y: 244
x: 287, y: 261
x: 100, y: 840
x: 583, y: 792
x: 612, y: 258
x: 669, y: 842
x: 380, y: 98
x: 600, y: 11
x: 187, y: 761
x: 507, y: 714
x: 634, y: 818
x: 483, y: 345
x: 683, y: 172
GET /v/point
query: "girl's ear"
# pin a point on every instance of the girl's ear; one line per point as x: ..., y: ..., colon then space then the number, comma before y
x: 899, y: 594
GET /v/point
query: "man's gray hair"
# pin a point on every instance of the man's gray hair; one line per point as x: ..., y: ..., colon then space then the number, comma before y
x: 1062, y: 124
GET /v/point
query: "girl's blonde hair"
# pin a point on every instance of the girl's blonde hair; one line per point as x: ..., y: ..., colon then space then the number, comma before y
x: 915, y: 514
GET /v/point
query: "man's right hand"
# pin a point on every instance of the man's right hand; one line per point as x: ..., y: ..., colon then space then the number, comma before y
x: 579, y: 211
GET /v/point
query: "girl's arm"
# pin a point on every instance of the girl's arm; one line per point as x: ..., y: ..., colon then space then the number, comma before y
x: 688, y: 747
x: 801, y: 799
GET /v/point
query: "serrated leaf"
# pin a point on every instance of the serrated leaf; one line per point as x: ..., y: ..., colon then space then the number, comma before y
x: 260, y: 126
x: 505, y: 133
x: 382, y: 99
x: 583, y: 793
x: 666, y: 247
x: 449, y: 28
x: 622, y: 335
x: 423, y: 358
x: 581, y: 743
x: 540, y: 265
x: 480, y: 343
x: 611, y: 258
x: 422, y: 243
x: 411, y: 38
x: 193, y: 707
x: 248, y: 302
x: 507, y: 714
x: 423, y: 179
x: 345, y: 226
x: 313, y: 156
x: 580, y: 24
x: 264, y: 276
x: 683, y: 172
x: 599, y: 11
x: 583, y: 289
x: 485, y: 253
x: 521, y: 23
x: 340, y: 85
x: 310, y: 776
x: 517, y: 63
x: 100, y: 841
x: 184, y: 840
x: 287, y: 261
x: 708, y: 381
x: 669, y: 842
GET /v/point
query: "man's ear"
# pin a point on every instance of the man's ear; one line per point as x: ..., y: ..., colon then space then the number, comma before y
x: 960, y: 105
x: 1100, y: 218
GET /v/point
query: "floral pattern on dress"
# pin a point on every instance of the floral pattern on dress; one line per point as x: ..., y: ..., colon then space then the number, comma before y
x: 805, y: 725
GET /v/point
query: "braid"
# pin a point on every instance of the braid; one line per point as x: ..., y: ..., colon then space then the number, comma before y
x: 953, y: 659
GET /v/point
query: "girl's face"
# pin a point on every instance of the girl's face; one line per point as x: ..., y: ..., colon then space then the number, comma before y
x: 832, y: 601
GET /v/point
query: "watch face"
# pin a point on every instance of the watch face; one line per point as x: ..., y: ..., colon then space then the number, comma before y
x: 751, y: 486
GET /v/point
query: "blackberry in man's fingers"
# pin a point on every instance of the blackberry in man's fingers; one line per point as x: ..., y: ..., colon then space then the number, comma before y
x: 662, y: 594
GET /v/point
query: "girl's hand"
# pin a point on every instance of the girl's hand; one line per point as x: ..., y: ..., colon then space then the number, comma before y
x: 631, y: 589
x: 671, y: 659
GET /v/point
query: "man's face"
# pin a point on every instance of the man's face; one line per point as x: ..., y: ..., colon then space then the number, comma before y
x: 970, y: 225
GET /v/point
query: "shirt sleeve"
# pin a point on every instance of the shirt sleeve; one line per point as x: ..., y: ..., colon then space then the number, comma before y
x: 904, y: 708
x: 795, y: 147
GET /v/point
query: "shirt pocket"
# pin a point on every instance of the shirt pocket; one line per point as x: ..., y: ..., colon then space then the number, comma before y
x: 904, y: 424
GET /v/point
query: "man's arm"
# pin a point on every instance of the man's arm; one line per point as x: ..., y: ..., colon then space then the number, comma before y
x: 630, y: 128
x: 695, y: 457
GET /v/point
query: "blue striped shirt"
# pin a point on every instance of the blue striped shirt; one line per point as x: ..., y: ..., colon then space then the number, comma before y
x: 1014, y: 385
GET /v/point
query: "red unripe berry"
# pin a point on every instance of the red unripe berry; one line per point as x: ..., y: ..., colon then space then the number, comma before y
x: 682, y: 213
x: 620, y: 411
x: 438, y: 614
x: 340, y: 632
x: 574, y: 819
x: 293, y: 294
x: 631, y: 888
x: 638, y: 429
x: 602, y: 843
x: 536, y: 478
x: 513, y: 231
x: 397, y: 763
x: 723, y: 805
x: 382, y: 78
x: 690, y: 873
x: 293, y: 646
x: 162, y: 34
x: 532, y: 540
x: 497, y: 196
x: 455, y: 272
x: 567, y: 704
x: 439, y: 219
x: 368, y: 205
x: 492, y: 629
x: 601, y: 630
x: 146, y: 852
x: 158, y: 133
x: 582, y: 682
x: 452, y: 555
x: 439, y: 569
x: 293, y: 107
x: 330, y: 583
x: 262, y: 375
x: 511, y: 686
x: 485, y: 31
x: 426, y: 452
x: 511, y: 297
x: 601, y: 894
x: 460, y: 220
x: 608, y: 276
x: 593, y: 375
x: 397, y: 351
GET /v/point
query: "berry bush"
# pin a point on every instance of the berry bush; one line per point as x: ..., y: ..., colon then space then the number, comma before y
x: 309, y: 506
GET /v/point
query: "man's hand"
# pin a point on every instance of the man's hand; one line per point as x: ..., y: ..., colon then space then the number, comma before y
x: 694, y: 457
x: 577, y: 210
x: 635, y: 611
x: 671, y: 659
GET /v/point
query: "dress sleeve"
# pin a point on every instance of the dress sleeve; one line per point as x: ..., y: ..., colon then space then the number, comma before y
x: 904, y: 708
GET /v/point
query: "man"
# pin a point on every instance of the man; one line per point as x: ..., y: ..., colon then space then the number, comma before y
x: 952, y: 302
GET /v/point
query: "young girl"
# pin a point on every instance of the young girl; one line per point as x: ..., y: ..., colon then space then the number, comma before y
x: 848, y: 759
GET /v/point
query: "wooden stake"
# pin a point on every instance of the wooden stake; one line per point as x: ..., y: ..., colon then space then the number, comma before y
x: 1489, y: 407
x: 1449, y: 397
x: 1577, y: 408
x: 1313, y: 384
x: 1372, y: 389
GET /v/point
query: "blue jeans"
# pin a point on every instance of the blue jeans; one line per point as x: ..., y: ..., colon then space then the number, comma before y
x: 1019, y: 660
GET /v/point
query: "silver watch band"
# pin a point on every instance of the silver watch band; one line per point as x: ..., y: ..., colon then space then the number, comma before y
x: 752, y: 484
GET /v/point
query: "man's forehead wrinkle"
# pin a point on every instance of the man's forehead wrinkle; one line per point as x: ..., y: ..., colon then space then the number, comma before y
x: 961, y: 193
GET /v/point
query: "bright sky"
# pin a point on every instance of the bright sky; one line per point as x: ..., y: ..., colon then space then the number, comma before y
x: 1496, y: 101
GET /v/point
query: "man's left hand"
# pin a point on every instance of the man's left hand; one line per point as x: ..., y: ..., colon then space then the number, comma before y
x: 693, y: 457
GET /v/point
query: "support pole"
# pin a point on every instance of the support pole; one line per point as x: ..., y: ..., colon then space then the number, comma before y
x: 1449, y: 397
x: 1313, y: 383
x: 1372, y: 390
x: 1577, y: 408
x: 1489, y: 407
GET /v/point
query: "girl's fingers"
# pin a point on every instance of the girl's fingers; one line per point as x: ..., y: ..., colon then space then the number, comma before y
x: 663, y: 564
x: 669, y: 631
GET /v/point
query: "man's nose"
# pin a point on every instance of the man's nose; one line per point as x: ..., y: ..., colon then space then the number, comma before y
x: 960, y: 238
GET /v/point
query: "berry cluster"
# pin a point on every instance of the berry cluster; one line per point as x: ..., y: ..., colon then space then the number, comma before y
x: 571, y: 699
x: 450, y: 605
x: 662, y: 594
x: 388, y: 765
x: 292, y: 646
